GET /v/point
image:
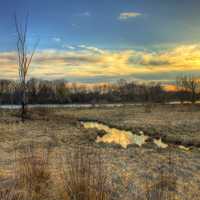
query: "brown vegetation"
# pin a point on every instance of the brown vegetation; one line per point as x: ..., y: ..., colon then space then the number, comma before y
x: 188, y: 86
x: 32, y: 174
x: 85, y: 177
x: 124, y: 170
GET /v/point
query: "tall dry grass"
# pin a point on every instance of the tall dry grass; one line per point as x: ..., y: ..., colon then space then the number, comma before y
x: 165, y: 187
x: 84, y: 176
x: 10, y: 194
x: 32, y: 174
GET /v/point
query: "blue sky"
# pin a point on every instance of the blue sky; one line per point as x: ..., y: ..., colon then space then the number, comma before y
x: 149, y: 29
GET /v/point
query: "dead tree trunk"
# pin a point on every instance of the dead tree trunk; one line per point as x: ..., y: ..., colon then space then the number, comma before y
x: 24, y: 61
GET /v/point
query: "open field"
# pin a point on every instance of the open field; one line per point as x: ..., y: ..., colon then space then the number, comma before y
x: 129, y: 170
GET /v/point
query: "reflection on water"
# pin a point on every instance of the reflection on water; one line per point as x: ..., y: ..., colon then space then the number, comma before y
x: 160, y: 144
x: 68, y: 106
x: 184, y: 148
x: 108, y: 105
x: 124, y: 138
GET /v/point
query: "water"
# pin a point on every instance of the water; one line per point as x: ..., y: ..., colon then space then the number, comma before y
x: 160, y: 144
x: 124, y: 138
x: 62, y: 106
x: 184, y: 148
x: 111, y: 105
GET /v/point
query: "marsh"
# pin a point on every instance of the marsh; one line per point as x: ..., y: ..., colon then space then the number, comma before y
x: 128, y: 169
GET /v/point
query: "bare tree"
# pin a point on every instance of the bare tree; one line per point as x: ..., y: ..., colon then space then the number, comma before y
x: 24, y: 61
x: 189, y: 84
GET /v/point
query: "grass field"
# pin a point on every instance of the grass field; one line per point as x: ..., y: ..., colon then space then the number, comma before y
x: 132, y: 171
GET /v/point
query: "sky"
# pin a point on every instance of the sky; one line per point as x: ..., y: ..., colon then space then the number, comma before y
x: 104, y: 40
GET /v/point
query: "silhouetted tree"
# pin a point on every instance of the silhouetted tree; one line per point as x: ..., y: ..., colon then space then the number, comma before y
x: 61, y: 92
x: 24, y: 61
x: 189, y: 84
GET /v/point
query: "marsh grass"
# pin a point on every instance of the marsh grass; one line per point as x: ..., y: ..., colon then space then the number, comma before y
x: 165, y: 187
x: 82, y: 177
x: 148, y: 107
x: 32, y: 173
x: 10, y: 194
x: 85, y: 177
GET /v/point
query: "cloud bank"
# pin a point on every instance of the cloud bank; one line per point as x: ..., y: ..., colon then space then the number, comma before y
x: 91, y: 63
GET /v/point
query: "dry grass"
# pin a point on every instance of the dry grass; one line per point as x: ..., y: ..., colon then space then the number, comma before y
x: 85, y: 178
x: 148, y: 107
x: 32, y: 174
x: 10, y: 194
x: 67, y: 135
x: 165, y: 187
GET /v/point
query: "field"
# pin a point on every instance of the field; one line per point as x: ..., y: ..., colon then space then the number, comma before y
x: 131, y: 171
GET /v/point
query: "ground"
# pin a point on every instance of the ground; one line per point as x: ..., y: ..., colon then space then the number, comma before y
x: 129, y: 170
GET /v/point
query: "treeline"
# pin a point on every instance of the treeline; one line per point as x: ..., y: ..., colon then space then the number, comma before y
x: 62, y: 92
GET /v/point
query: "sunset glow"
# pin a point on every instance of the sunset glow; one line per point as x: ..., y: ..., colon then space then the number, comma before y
x: 133, y: 40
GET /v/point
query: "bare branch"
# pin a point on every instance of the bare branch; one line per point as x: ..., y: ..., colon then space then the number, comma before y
x: 24, y: 59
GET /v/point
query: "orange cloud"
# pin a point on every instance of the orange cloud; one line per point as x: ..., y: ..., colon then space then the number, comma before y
x: 92, y: 62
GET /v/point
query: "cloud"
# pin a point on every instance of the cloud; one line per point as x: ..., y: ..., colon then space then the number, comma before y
x: 128, y: 15
x: 84, y: 14
x: 88, y: 63
x: 56, y: 39
x: 75, y: 25
x: 68, y: 46
x: 91, y: 48
x: 149, y: 59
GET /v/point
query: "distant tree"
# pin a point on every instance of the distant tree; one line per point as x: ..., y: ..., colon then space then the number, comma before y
x: 156, y: 92
x: 61, y: 91
x: 33, y: 89
x: 189, y: 85
x: 11, y: 89
x: 24, y: 61
x: 47, y: 92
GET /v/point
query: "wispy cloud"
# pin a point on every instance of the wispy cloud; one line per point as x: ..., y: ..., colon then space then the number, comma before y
x: 75, y: 26
x: 56, y: 39
x: 84, y: 14
x: 91, y: 48
x: 68, y: 46
x: 87, y: 14
x: 128, y: 15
